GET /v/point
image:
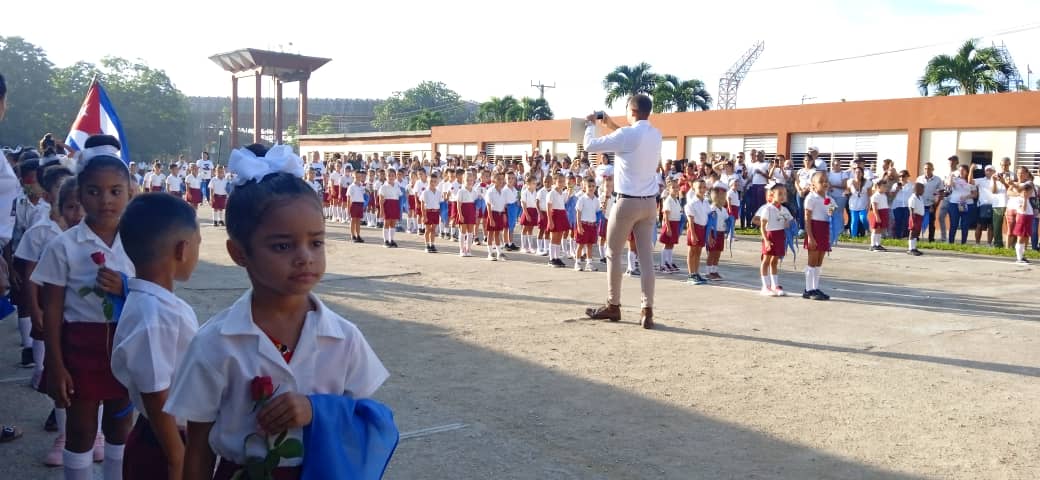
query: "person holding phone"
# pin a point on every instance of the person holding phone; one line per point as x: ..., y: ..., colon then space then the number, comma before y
x: 637, y: 156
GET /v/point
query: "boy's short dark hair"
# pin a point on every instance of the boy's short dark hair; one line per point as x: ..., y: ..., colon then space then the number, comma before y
x: 150, y: 222
x: 51, y: 177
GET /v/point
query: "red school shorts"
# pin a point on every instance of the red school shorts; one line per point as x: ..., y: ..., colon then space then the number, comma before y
x: 543, y: 221
x: 915, y: 224
x: 778, y: 238
x: 194, y: 196
x: 693, y: 229
x: 334, y: 193
x: 391, y: 209
x: 1023, y: 226
x: 87, y: 348
x: 878, y: 221
x: 453, y: 211
x: 587, y: 236
x: 219, y: 202
x: 144, y: 457
x: 718, y: 242
x: 560, y: 223
x: 603, y: 228
x: 672, y: 236
x: 411, y: 203
x: 357, y: 210
x: 433, y: 217
x: 821, y: 230
x: 501, y: 222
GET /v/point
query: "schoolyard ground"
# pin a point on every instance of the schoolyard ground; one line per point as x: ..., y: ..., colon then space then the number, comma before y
x: 917, y: 368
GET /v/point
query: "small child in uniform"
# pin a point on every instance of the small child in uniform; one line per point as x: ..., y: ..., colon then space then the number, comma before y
x: 512, y: 211
x: 878, y: 216
x: 77, y: 272
x: 155, y: 328
x: 543, y: 219
x: 774, y: 218
x: 219, y: 191
x: 819, y: 209
x: 156, y: 181
x: 717, y: 239
x: 174, y: 182
x: 672, y: 212
x: 587, y: 206
x: 259, y: 368
x: 495, y: 201
x: 389, y: 202
x: 529, y: 216
x: 916, y: 218
x: 193, y: 184
x: 569, y: 244
x: 697, y: 210
x: 556, y: 221
x: 430, y: 205
x: 606, y: 204
x: 466, y: 211
x: 356, y: 196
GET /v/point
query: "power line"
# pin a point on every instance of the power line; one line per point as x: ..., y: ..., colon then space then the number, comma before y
x: 1020, y: 29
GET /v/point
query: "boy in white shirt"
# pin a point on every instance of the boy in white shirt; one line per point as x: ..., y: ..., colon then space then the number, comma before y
x: 587, y: 207
x: 174, y: 183
x: 916, y: 205
x: 672, y: 212
x: 429, y: 205
x: 162, y: 239
x: 879, y: 214
x: 697, y: 210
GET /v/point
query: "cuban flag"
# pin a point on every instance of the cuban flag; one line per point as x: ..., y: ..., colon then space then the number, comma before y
x: 97, y: 116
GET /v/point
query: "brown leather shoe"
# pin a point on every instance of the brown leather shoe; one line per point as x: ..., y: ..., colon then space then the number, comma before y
x: 606, y: 312
x: 646, y: 317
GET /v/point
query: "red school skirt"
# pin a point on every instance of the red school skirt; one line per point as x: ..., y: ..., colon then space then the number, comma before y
x: 219, y: 202
x: 453, y: 211
x: 878, y: 221
x: 226, y: 470
x: 411, y: 203
x: 433, y: 217
x: 779, y: 240
x: 1023, y: 226
x: 144, y: 457
x: 153, y: 188
x: 602, y: 228
x: 195, y: 196
x: 344, y: 195
x: 821, y: 230
x: 560, y: 223
x: 357, y: 210
x: 530, y: 217
x: 501, y: 222
x: 334, y: 192
x: 87, y: 348
x: 692, y: 229
x: 391, y: 209
x: 543, y: 220
x: 587, y: 236
x: 672, y: 236
x: 718, y: 242
x: 734, y: 211
x: 468, y: 214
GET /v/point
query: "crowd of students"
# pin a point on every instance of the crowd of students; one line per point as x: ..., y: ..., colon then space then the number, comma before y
x: 94, y: 264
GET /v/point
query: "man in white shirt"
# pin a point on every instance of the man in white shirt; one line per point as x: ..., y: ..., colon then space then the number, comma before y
x: 932, y: 185
x: 998, y: 194
x: 205, y: 166
x: 637, y: 155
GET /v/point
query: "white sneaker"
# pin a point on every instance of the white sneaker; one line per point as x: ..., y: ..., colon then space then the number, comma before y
x: 544, y: 253
x: 767, y: 292
x: 779, y: 291
x: 589, y: 267
x: 491, y: 257
x: 577, y: 267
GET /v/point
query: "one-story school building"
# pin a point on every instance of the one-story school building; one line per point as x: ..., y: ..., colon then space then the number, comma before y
x: 979, y: 129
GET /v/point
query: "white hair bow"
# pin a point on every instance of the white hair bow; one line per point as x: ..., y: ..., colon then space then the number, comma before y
x: 88, y: 154
x: 246, y: 166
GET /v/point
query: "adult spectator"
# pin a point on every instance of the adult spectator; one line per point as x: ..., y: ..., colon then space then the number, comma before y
x: 803, y: 185
x: 838, y: 180
x: 8, y: 192
x: 637, y: 149
x: 961, y: 204
x: 932, y: 186
x: 758, y: 173
x: 998, y: 191
x: 984, y: 187
x: 205, y: 166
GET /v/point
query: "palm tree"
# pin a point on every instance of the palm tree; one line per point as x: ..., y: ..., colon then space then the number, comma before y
x: 972, y: 70
x: 626, y: 81
x: 505, y: 109
x: 535, y: 109
x: 671, y: 93
x: 424, y: 120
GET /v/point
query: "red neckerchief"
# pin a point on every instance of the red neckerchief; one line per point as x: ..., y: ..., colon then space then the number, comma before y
x: 282, y: 348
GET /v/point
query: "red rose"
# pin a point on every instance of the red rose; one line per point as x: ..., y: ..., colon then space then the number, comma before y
x: 261, y: 388
x: 827, y: 201
x: 98, y: 258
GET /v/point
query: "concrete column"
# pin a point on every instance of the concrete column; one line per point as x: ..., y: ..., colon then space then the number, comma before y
x: 234, y: 112
x: 258, y: 109
x: 783, y: 144
x: 913, y: 152
x: 303, y: 107
x: 277, y: 111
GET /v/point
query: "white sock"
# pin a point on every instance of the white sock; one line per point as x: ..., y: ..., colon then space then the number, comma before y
x: 773, y: 281
x: 38, y: 355
x: 913, y: 244
x: 112, y: 468
x: 60, y: 417
x: 543, y: 245
x: 24, y: 327
x: 765, y: 281
x: 602, y: 252
x: 78, y: 465
x: 554, y: 251
x: 392, y: 231
x: 1020, y: 252
x: 664, y: 257
x: 816, y: 277
x: 808, y: 279
x: 631, y: 260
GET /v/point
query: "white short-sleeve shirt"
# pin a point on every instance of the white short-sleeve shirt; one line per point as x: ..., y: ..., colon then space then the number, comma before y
x: 879, y: 200
x: 543, y: 197
x: 733, y: 197
x: 587, y: 206
x: 465, y: 195
x: 431, y: 200
x: 557, y: 200
x: 218, y: 186
x: 497, y: 199
x: 672, y: 208
x: 774, y: 218
x: 512, y: 196
x: 205, y: 168
x: 698, y: 209
x: 174, y: 183
x: 356, y: 192
x: 35, y: 239
x: 193, y: 181
x: 818, y: 205
x: 902, y: 195
x: 153, y: 334
x: 529, y: 199
x: 720, y: 218
x: 66, y: 263
x: 390, y: 191
x: 212, y: 383
x: 859, y: 199
x: 915, y: 204
x: 157, y: 180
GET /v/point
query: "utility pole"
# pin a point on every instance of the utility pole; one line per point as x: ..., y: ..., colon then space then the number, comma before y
x: 541, y: 88
x: 806, y: 97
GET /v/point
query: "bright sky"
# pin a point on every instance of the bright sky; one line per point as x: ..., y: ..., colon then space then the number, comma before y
x: 494, y: 48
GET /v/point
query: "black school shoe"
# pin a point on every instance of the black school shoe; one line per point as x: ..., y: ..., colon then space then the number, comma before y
x: 819, y: 295
x: 393, y: 244
x: 27, y: 358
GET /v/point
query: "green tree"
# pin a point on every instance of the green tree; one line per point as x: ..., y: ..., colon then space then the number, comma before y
x: 672, y: 94
x: 495, y: 110
x: 395, y: 112
x: 535, y: 109
x: 324, y: 126
x: 971, y: 70
x: 30, y: 93
x: 626, y: 81
x: 425, y: 120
